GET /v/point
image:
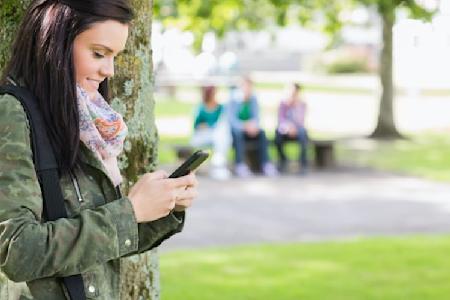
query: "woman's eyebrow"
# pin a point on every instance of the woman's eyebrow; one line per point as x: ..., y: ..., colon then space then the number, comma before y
x: 106, y: 48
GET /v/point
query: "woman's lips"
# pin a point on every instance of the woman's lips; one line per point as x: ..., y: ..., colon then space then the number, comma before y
x: 94, y: 83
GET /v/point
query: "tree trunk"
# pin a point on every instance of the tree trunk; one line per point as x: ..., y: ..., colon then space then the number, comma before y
x: 386, y: 124
x: 11, y: 11
x: 132, y: 89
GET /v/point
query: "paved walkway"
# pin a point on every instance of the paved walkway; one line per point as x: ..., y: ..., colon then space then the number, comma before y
x: 323, y: 205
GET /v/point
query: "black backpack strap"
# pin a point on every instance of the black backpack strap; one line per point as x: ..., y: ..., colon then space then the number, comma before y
x: 47, y: 172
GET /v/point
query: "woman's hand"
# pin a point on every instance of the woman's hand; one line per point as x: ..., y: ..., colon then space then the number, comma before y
x: 188, y: 193
x: 154, y: 195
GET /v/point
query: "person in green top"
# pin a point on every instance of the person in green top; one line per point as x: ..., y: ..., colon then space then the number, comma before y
x: 243, y: 115
x: 211, y: 130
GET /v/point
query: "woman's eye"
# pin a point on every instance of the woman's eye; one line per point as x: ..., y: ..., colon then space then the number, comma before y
x: 98, y: 55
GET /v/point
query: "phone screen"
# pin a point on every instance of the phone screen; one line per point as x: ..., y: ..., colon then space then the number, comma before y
x: 190, y: 164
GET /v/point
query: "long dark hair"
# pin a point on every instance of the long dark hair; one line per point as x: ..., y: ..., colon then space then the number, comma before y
x: 42, y: 60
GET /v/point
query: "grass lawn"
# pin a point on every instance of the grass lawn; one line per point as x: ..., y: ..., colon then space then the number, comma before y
x: 378, y: 268
x: 166, y: 148
x: 426, y: 155
x: 174, y: 108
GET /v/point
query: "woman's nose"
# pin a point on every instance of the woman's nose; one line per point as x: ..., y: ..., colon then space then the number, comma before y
x: 107, y: 69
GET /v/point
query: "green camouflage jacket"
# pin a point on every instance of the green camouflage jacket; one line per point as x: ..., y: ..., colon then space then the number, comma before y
x: 100, y: 228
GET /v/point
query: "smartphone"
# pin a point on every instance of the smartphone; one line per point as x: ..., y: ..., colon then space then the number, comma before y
x: 190, y: 164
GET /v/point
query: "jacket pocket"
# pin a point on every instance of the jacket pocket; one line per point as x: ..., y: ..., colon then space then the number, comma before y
x: 91, y: 286
x: 72, y: 201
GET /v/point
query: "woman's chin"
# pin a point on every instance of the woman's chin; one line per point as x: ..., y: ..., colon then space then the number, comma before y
x: 90, y: 90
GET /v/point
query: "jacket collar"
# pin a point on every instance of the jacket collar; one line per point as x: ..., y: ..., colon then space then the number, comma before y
x: 88, y: 157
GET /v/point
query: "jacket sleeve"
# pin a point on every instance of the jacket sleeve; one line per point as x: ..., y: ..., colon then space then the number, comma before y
x: 233, y: 116
x: 152, y: 234
x: 32, y: 249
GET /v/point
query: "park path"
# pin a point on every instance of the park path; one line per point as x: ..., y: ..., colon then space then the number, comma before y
x: 339, y: 204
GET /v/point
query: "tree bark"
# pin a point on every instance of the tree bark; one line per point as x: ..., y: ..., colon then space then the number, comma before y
x: 132, y: 90
x: 386, y: 124
x: 11, y: 12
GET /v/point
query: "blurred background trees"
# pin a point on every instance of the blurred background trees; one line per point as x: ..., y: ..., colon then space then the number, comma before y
x: 220, y: 17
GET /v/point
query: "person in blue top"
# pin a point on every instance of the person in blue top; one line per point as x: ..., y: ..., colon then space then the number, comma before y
x: 244, y: 121
x: 211, y: 130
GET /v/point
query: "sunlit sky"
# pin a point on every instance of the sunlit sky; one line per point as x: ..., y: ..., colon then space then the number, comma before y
x: 421, y: 50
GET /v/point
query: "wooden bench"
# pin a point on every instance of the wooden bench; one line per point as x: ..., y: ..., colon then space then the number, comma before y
x: 252, y: 156
x: 324, y: 153
x: 324, y: 156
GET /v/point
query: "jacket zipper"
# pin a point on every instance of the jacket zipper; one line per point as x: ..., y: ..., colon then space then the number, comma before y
x: 118, y: 192
x: 76, y: 186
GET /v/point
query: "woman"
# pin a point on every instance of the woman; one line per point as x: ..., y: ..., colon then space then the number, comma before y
x: 291, y: 127
x: 211, y: 130
x: 64, y: 55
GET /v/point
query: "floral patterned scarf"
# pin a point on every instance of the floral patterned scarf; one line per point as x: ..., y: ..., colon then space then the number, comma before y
x: 102, y: 130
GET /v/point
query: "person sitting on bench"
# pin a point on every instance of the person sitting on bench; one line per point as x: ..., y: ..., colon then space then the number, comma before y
x: 244, y: 121
x: 211, y: 129
x: 291, y: 119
